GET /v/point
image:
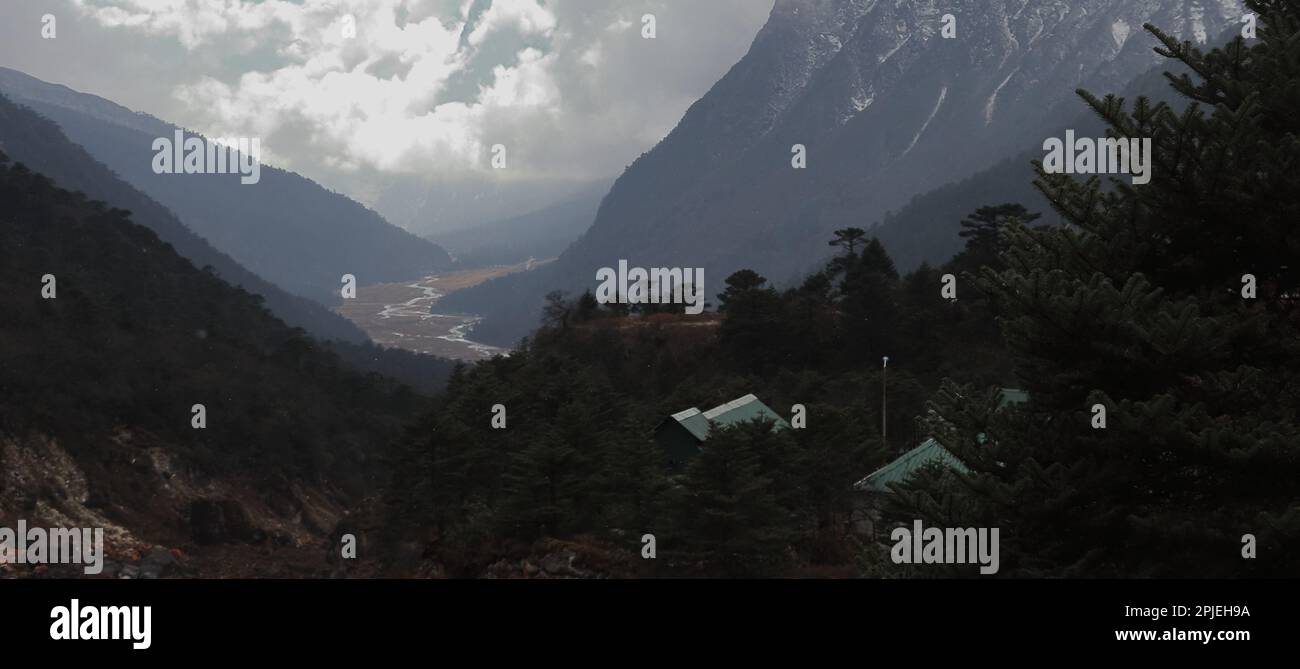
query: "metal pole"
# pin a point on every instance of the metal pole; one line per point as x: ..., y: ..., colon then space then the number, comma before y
x: 884, y: 398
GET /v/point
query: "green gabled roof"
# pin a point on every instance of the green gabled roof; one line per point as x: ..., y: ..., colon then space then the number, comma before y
x: 740, y: 410
x: 694, y: 422
x: 929, y: 452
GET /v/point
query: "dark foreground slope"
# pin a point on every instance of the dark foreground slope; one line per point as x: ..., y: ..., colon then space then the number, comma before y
x: 98, y: 387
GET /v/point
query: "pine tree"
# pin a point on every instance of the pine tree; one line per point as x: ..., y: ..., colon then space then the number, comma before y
x: 814, y: 331
x: 633, y: 484
x: 751, y: 328
x: 849, y: 238
x: 1137, y: 306
x: 831, y: 448
x: 731, y: 509
x: 982, y: 231
x: 869, y: 302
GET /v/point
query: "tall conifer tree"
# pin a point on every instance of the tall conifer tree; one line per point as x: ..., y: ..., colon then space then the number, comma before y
x: 1140, y: 306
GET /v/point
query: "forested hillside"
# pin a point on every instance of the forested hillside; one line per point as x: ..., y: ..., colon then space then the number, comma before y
x: 109, y: 341
x: 1155, y: 332
x: 40, y: 144
x: 576, y: 457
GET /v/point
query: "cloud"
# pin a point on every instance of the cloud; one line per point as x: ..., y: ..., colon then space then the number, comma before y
x: 428, y: 86
x: 195, y: 24
x: 527, y: 17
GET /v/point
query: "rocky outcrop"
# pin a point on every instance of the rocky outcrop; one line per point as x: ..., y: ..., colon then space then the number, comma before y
x: 221, y: 521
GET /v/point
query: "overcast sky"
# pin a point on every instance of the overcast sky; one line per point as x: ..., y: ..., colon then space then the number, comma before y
x: 570, y: 87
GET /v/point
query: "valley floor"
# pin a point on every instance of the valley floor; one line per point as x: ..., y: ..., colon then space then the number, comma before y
x: 401, y: 315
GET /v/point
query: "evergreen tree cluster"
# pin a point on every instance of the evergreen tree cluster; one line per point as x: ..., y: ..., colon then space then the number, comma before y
x: 582, y: 398
x: 1171, y: 306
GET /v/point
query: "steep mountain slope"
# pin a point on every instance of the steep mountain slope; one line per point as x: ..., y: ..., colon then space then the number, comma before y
x: 98, y: 383
x: 926, y: 229
x: 38, y: 142
x: 886, y: 108
x: 285, y: 228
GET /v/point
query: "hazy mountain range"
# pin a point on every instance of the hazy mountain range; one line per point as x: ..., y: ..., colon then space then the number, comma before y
x: 433, y: 208
x: 543, y: 233
x: 286, y: 228
x: 839, y: 77
x: 37, y: 142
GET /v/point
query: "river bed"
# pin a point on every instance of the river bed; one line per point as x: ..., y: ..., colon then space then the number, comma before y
x: 401, y: 315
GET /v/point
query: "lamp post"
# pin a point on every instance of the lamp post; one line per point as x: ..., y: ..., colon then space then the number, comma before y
x: 884, y: 397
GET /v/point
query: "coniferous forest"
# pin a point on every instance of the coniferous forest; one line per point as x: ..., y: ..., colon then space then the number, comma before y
x: 1172, y: 306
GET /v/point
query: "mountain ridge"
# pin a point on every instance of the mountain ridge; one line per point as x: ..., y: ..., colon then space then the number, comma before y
x: 39, y: 143
x: 288, y: 229
x: 719, y: 192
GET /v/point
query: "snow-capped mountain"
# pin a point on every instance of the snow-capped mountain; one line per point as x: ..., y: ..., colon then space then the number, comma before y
x: 887, y: 108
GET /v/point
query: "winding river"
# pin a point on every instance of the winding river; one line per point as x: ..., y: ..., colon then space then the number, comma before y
x: 401, y: 315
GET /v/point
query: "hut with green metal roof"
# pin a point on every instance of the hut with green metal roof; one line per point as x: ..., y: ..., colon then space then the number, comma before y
x: 928, y: 452
x: 682, y: 434
x: 874, y: 486
x: 901, y: 469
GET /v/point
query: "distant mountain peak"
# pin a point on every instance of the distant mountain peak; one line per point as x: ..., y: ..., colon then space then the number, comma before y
x: 887, y: 108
